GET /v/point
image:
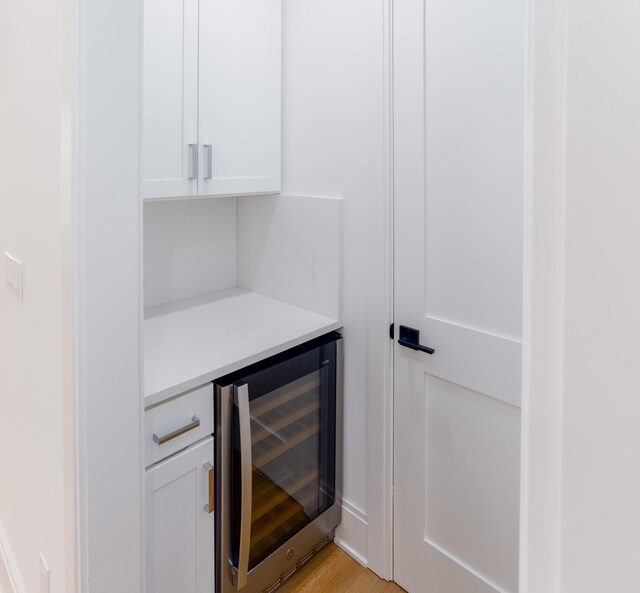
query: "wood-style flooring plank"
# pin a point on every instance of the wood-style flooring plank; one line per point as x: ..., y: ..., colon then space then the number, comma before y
x: 334, y: 571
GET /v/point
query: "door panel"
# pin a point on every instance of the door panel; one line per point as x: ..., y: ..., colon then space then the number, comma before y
x: 179, y: 530
x: 474, y: 108
x: 278, y: 430
x: 471, y: 454
x: 481, y: 361
x: 170, y: 97
x: 292, y: 460
x: 240, y: 65
x: 458, y: 153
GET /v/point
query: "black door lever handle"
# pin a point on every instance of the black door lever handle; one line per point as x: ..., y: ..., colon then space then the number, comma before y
x: 418, y: 347
x: 410, y: 338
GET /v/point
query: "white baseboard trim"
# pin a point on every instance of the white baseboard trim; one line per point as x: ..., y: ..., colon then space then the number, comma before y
x: 352, y: 534
x: 10, y: 581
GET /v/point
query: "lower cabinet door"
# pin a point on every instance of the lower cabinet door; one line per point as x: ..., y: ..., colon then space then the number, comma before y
x: 179, y: 527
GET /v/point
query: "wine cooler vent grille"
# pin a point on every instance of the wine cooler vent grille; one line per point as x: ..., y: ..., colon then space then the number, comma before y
x: 286, y: 576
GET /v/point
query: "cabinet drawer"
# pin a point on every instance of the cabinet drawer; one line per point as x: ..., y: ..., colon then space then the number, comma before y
x: 178, y: 423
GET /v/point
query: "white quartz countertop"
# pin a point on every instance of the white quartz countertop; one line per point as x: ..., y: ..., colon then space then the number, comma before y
x: 191, y: 342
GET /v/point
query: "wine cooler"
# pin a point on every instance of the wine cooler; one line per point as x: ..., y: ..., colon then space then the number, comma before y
x: 278, y: 454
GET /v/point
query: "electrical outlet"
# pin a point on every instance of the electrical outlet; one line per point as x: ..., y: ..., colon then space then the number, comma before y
x: 13, y: 274
x: 45, y: 577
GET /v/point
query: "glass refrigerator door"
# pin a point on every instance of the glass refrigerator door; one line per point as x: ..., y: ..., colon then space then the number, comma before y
x: 283, y: 453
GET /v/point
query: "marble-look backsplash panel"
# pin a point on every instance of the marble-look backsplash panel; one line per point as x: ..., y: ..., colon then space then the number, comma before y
x: 290, y: 249
x: 189, y: 248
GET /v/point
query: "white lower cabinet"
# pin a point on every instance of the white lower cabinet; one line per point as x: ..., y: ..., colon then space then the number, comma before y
x: 179, y: 527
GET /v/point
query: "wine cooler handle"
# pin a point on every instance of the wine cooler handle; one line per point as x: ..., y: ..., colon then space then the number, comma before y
x: 241, y: 393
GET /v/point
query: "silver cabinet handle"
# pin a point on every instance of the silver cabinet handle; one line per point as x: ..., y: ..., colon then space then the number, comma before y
x: 208, y: 162
x: 195, y: 423
x: 241, y: 394
x: 193, y: 162
x: 209, y: 507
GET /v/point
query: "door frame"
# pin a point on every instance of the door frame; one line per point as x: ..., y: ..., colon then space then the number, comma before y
x: 543, y: 307
x: 542, y: 393
x: 541, y: 442
x: 380, y: 380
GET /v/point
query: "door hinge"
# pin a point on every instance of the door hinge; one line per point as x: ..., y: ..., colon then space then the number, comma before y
x: 392, y: 331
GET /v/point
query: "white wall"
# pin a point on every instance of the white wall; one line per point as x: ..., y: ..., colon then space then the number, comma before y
x: 333, y: 145
x: 601, y: 437
x: 189, y: 248
x: 290, y: 249
x: 109, y: 212
x: 37, y: 472
x: 583, y: 528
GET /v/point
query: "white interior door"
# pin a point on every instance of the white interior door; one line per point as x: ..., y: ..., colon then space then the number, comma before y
x: 459, y: 181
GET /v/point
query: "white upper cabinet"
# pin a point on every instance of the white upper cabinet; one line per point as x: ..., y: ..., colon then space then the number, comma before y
x: 170, y: 98
x: 240, y: 65
x: 211, y: 97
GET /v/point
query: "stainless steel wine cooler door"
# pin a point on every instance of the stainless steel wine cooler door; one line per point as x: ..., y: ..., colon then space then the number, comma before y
x: 279, y: 447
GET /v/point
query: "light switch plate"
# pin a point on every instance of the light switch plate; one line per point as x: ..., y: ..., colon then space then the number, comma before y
x: 13, y: 274
x: 45, y: 576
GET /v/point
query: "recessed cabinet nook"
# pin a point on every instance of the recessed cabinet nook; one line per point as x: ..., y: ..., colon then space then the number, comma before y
x: 242, y: 360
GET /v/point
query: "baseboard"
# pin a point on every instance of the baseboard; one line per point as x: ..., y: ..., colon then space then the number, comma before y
x: 352, y: 533
x: 10, y: 581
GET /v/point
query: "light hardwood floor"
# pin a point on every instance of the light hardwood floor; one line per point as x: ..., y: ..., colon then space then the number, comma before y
x: 334, y: 571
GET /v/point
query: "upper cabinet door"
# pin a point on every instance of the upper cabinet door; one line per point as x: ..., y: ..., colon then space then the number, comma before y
x: 240, y: 96
x: 170, y: 99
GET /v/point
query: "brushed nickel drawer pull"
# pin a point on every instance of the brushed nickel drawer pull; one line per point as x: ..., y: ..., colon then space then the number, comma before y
x: 208, y: 162
x: 212, y: 484
x: 195, y: 423
x: 193, y: 162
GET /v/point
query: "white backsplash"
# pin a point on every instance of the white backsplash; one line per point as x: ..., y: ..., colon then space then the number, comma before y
x: 189, y: 248
x: 289, y: 248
